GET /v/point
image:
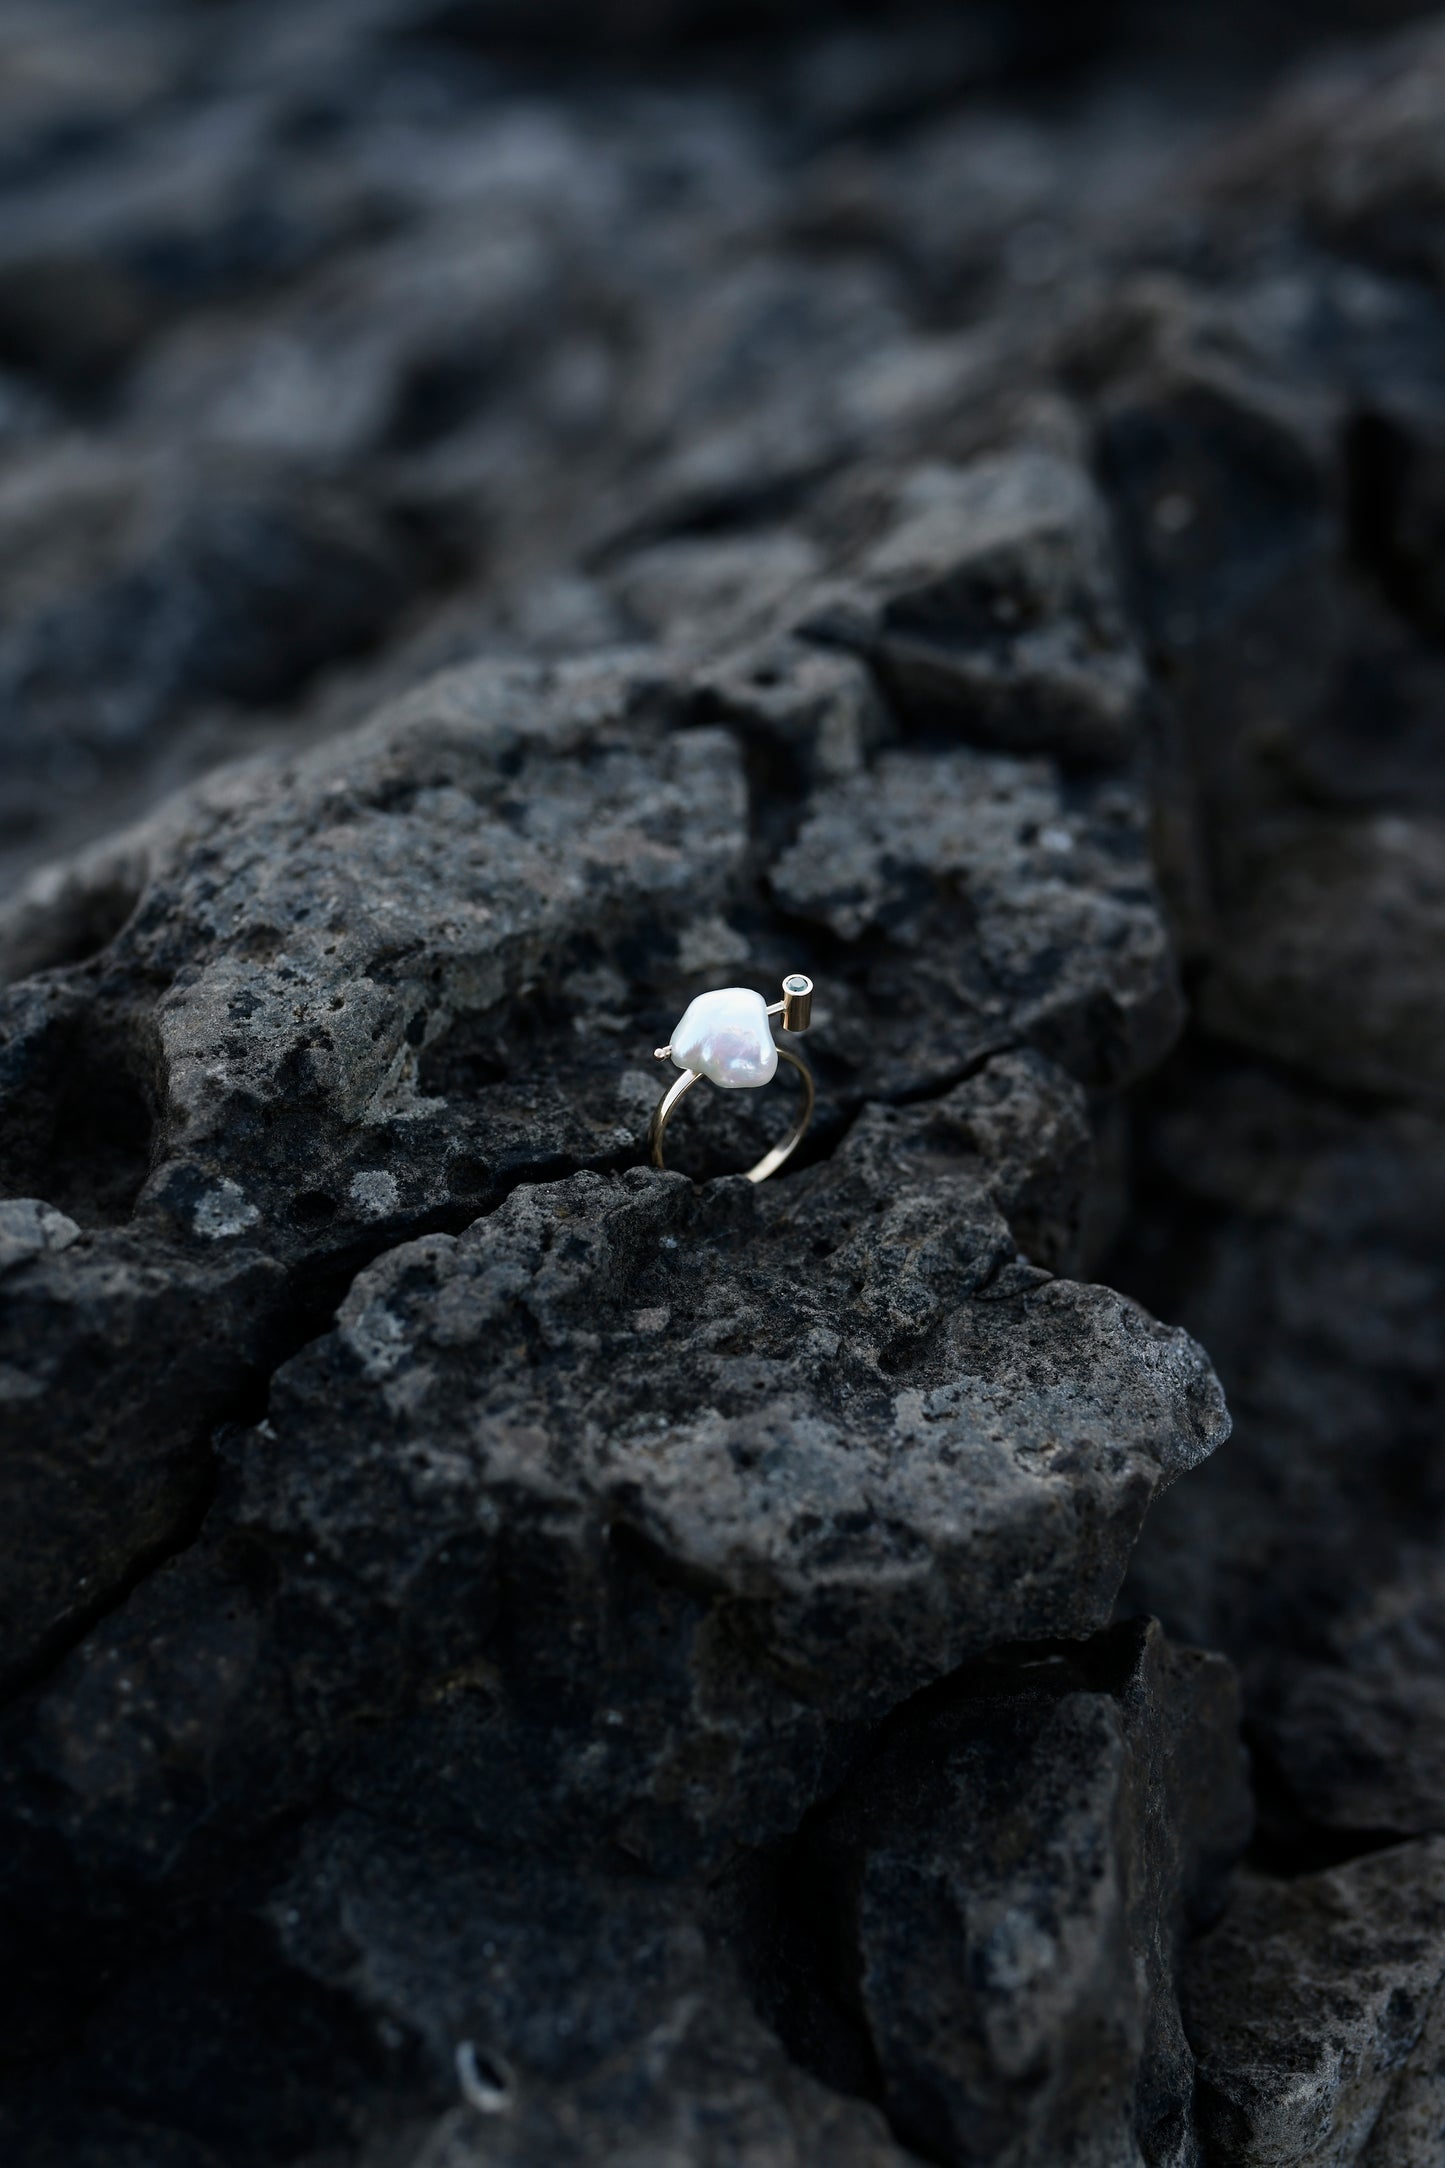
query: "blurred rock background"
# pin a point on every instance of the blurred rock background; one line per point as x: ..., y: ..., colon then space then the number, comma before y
x: 337, y: 334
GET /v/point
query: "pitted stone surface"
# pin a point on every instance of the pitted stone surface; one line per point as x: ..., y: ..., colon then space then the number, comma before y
x: 368, y: 989
x: 990, y: 1864
x: 758, y: 1522
x: 1307, y: 2007
x: 649, y: 2046
x: 843, y: 1494
x: 313, y: 930
x: 990, y: 604
x: 1026, y: 902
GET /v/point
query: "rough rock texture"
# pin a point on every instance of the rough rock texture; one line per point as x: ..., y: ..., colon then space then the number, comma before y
x: 1314, y: 1266
x: 988, y: 604
x: 371, y: 991
x: 509, y: 1657
x: 1010, y: 1875
x: 1311, y: 2003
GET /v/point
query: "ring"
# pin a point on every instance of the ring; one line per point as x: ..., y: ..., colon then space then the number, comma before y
x: 726, y: 1036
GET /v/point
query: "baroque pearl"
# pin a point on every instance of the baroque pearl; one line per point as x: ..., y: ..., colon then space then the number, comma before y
x: 726, y: 1035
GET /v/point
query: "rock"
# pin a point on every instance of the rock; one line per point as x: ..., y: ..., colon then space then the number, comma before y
x: 365, y: 992
x: 1311, y: 1269
x: 1321, y: 906
x: 518, y: 2003
x: 990, y: 607
x: 1010, y: 888
x: 112, y: 1375
x: 741, y: 1486
x: 458, y: 2005
x: 580, y: 2018
x: 805, y: 714
x: 701, y: 590
x: 28, y: 1227
x: 111, y: 1096
x: 1267, y: 447
x: 1308, y: 2007
x: 104, y: 2141
x: 223, y: 586
x: 1010, y: 1874
x: 761, y: 1518
x: 1412, y: 2121
x: 1357, y: 1733
x: 1359, y: 151
x: 179, y: 214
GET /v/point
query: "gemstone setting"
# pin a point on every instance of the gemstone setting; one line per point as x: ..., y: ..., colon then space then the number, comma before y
x: 726, y: 1037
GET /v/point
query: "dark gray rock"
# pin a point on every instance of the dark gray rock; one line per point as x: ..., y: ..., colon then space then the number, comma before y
x: 830, y: 1501
x: 1309, y: 2009
x: 990, y: 606
x: 1320, y: 903
x: 458, y: 2004
x: 1012, y: 1872
x: 182, y: 1124
x: 1411, y: 2124
x: 581, y: 2013
x: 1358, y: 1732
x: 27, y: 1228
x: 146, y: 591
x: 1024, y: 900
x: 1302, y: 1244
x: 698, y: 589
x: 187, y: 211
x: 633, y: 1504
x: 368, y: 991
x: 112, y: 1374
x: 808, y: 715
x: 1358, y: 151
x: 523, y: 1999
x: 1266, y: 441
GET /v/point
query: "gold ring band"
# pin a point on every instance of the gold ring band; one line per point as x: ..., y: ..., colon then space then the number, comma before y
x: 770, y: 1161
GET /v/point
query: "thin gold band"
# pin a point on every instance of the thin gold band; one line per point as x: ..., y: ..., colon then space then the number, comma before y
x: 770, y: 1161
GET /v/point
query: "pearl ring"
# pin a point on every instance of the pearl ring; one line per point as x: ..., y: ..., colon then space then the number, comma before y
x: 726, y: 1036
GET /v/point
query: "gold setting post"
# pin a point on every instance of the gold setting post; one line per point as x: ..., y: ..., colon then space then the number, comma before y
x: 796, y: 1006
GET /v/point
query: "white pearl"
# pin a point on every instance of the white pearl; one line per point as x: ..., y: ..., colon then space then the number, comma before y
x: 727, y: 1036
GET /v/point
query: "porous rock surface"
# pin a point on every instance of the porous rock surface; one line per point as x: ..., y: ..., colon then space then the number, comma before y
x: 512, y: 1656
x: 374, y: 990
x: 1012, y: 1873
x: 1315, y: 1997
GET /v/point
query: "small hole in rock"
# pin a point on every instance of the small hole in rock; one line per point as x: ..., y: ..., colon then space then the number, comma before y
x: 484, y: 2079
x: 69, y: 928
x: 78, y: 1129
x: 311, y: 1207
